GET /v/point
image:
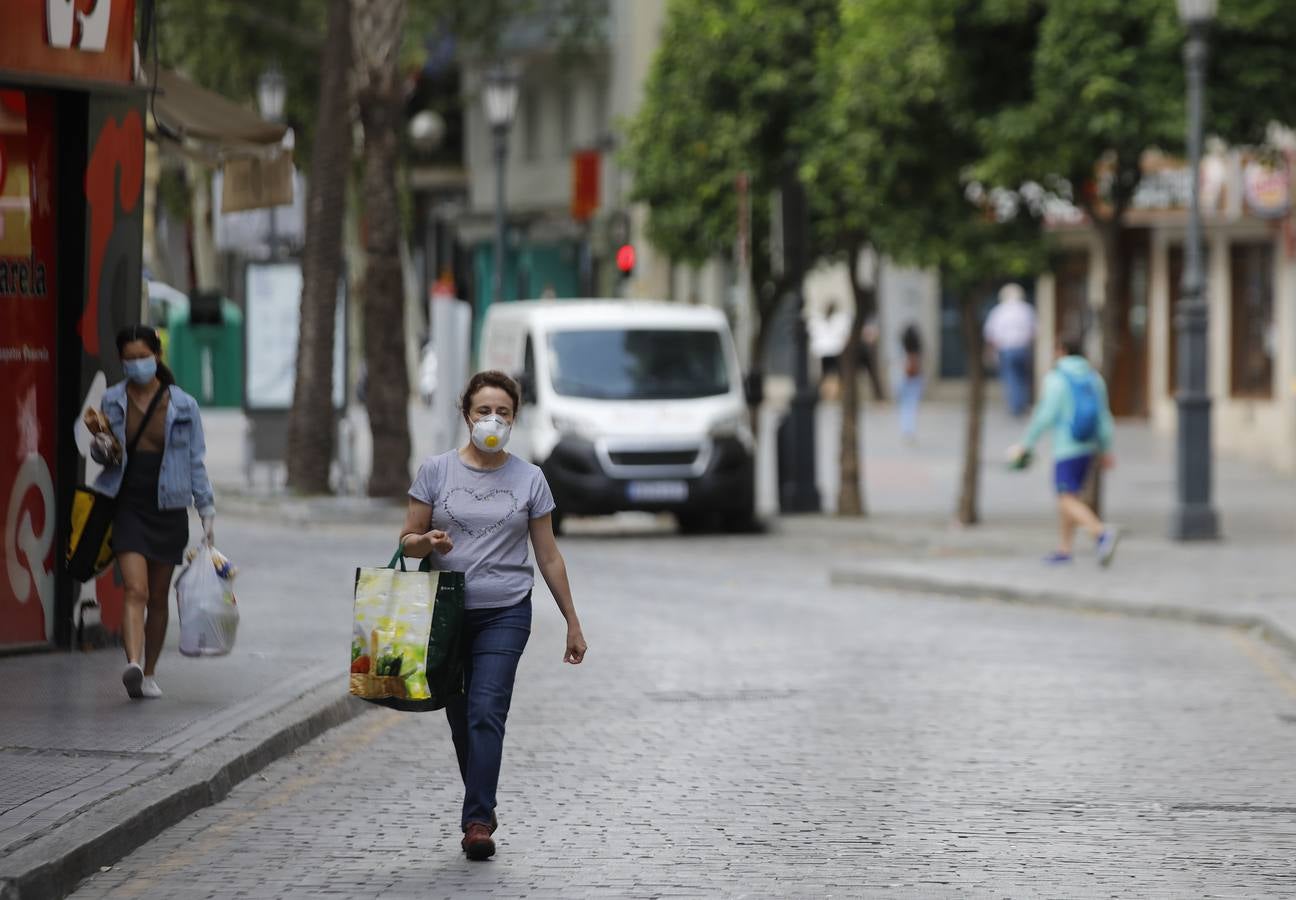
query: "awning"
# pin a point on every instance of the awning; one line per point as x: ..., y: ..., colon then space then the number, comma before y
x: 192, y: 113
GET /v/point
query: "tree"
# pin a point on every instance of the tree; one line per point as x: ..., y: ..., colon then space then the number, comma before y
x: 917, y: 81
x: 376, y: 32
x: 843, y: 232
x: 728, y: 93
x: 386, y: 34
x: 1107, y: 86
x: 310, y: 421
x: 741, y: 86
x: 195, y: 36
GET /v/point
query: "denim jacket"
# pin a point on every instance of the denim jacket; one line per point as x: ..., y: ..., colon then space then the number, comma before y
x: 184, y: 471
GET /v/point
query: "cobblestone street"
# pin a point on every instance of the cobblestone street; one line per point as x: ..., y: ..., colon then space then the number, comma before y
x: 742, y: 729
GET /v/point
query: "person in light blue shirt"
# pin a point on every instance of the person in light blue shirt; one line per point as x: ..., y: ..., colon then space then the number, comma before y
x: 1075, y: 410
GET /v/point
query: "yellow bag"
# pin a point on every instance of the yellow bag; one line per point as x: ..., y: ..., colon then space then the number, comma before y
x: 89, y: 550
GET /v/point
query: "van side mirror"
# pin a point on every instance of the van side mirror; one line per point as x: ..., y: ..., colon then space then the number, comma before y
x: 526, y: 384
x: 754, y: 387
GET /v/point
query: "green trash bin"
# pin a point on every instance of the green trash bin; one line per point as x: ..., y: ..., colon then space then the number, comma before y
x: 204, y: 348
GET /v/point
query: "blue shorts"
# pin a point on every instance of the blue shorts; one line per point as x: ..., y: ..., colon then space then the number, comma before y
x: 1069, y: 474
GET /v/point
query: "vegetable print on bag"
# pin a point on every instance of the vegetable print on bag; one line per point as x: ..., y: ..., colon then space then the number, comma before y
x: 405, y: 636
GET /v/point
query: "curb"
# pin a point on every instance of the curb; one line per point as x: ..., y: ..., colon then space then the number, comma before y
x: 969, y: 590
x: 54, y: 864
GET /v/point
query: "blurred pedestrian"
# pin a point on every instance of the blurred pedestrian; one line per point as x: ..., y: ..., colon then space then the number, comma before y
x: 472, y: 510
x: 154, y: 483
x: 828, y: 336
x: 1074, y: 406
x: 911, y: 382
x: 427, y: 374
x: 1010, y: 332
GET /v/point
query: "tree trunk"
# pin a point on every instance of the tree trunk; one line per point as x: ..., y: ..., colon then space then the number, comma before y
x: 1113, y: 285
x: 310, y: 422
x: 968, y: 506
x: 850, y: 492
x: 376, y: 37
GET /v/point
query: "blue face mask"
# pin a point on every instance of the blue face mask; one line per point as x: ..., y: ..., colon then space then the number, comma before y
x: 140, y: 371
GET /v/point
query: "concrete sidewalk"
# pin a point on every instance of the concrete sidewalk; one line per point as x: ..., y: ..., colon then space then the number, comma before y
x: 86, y: 774
x: 1247, y: 579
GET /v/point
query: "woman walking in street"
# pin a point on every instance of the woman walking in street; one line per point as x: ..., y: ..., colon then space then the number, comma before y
x: 911, y: 382
x: 159, y: 471
x: 472, y: 510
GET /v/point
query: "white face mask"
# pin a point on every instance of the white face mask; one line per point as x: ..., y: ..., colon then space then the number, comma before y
x: 490, y: 434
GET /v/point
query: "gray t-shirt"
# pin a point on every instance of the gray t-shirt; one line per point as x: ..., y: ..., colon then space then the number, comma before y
x: 486, y: 513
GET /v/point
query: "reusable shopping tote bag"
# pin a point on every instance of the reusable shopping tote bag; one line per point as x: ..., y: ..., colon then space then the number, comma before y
x: 405, y: 642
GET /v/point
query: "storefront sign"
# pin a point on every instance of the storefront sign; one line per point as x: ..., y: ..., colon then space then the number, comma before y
x: 83, y: 39
x: 1267, y: 188
x: 27, y: 342
x: 255, y: 183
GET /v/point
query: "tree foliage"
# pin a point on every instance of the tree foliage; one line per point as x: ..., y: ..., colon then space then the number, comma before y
x: 729, y: 92
x: 225, y: 45
x: 916, y: 83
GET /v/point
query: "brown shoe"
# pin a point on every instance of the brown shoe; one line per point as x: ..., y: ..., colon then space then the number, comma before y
x: 477, y: 842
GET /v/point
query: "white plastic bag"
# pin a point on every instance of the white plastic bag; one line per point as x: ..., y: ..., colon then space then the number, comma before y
x: 208, y: 612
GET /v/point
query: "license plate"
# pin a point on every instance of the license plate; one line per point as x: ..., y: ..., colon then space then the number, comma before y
x: 657, y: 491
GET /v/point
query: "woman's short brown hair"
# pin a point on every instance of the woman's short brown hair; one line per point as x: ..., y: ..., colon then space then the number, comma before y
x: 490, y: 378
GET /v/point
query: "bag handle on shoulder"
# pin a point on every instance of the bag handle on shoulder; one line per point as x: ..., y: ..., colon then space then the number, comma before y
x: 148, y: 414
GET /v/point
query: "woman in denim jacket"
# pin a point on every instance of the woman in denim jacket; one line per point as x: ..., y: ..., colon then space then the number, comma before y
x: 153, y: 488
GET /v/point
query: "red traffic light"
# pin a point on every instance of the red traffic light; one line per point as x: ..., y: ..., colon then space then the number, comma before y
x: 625, y: 258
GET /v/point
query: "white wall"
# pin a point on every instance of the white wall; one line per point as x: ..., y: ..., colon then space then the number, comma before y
x: 543, y: 182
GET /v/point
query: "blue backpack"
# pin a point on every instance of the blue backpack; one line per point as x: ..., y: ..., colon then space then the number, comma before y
x: 1084, y: 402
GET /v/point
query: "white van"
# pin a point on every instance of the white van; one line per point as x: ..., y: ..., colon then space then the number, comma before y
x: 629, y: 405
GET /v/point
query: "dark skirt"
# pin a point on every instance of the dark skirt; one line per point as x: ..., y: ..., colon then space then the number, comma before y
x: 139, y: 526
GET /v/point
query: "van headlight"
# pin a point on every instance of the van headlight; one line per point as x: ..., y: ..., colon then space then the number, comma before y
x: 569, y: 425
x: 734, y: 425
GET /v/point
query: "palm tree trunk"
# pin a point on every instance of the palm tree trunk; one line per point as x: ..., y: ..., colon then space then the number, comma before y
x: 376, y: 38
x: 968, y: 504
x: 310, y: 421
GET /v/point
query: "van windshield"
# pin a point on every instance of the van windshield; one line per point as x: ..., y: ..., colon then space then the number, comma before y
x: 638, y: 364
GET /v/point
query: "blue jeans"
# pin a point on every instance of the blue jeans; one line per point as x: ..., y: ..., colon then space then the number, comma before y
x: 1015, y: 369
x: 493, y: 643
x: 910, y: 395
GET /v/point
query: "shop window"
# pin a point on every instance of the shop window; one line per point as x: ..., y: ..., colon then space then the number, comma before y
x: 1252, y: 317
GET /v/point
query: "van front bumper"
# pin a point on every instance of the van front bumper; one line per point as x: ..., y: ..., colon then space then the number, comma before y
x: 582, y: 487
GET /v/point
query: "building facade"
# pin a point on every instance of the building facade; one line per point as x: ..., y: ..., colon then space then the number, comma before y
x: 1250, y: 262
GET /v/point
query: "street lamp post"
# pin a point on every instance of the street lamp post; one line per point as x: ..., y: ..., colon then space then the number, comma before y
x: 500, y: 97
x: 272, y: 92
x: 1194, y: 516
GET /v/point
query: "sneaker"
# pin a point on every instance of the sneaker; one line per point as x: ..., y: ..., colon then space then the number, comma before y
x: 149, y: 689
x: 1107, y: 542
x: 1057, y: 558
x: 477, y: 841
x: 133, y: 679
